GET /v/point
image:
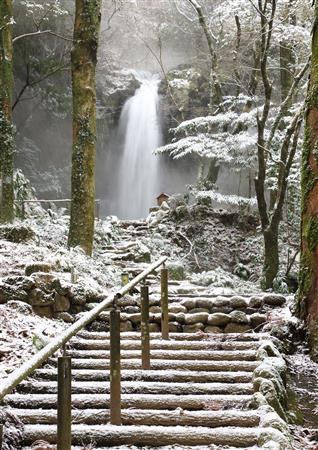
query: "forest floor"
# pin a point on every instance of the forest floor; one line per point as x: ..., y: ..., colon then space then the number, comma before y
x: 210, y: 247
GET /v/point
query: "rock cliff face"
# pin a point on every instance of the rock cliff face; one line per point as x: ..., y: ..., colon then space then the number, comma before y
x: 185, y: 95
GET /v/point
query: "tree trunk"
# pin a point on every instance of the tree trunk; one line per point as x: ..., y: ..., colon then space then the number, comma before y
x: 84, y: 59
x: 215, y: 88
x: 271, y: 257
x: 308, y: 275
x: 6, y: 129
x: 287, y: 59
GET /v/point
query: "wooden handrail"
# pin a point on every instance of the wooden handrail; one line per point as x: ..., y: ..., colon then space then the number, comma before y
x: 58, y: 200
x: 58, y: 342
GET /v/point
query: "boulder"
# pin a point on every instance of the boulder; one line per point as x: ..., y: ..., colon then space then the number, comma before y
x: 205, y: 303
x: 157, y: 317
x: 135, y: 318
x: 76, y: 309
x: 196, y: 318
x: 143, y: 254
x: 256, y: 302
x: 238, y: 317
x: 127, y: 300
x: 219, y: 319
x: 96, y: 325
x: 43, y: 311
x: 65, y: 316
x: 16, y: 233
x: 37, y: 297
x: 189, y: 303
x: 39, y: 266
x: 180, y: 212
x: 62, y: 287
x: 78, y: 296
x: 154, y: 328
x: 176, y: 308
x: 10, y: 292
x: 175, y: 327
x: 257, y: 319
x: 21, y: 282
x: 274, y: 299
x: 22, y: 307
x: 61, y: 303
x: 104, y: 316
x: 199, y: 310
x: 132, y: 309
x: 238, y: 302
x: 221, y: 301
x: 194, y: 328
x: 180, y: 318
x: 126, y: 326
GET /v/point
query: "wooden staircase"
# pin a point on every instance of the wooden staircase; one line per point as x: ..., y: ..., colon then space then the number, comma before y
x: 198, y: 392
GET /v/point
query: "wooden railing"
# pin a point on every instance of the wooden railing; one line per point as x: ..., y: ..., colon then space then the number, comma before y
x: 64, y: 404
x: 60, y: 200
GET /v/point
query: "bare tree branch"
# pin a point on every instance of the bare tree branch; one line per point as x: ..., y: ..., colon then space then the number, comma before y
x: 40, y: 33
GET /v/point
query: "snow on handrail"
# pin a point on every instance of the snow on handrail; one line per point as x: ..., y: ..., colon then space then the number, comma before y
x: 21, y: 373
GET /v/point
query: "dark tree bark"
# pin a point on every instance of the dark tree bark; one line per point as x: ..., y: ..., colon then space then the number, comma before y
x: 6, y: 128
x: 287, y: 59
x: 308, y: 275
x: 271, y: 217
x: 84, y: 59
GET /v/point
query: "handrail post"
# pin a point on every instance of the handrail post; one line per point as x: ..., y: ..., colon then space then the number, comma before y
x: 164, y: 303
x: 145, y: 338
x: 64, y: 403
x: 124, y: 278
x: 115, y: 378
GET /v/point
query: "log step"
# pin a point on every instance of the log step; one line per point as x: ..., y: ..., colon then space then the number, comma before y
x: 228, y: 337
x: 137, y: 401
x: 146, y: 435
x: 137, y: 387
x: 175, y: 447
x: 81, y: 363
x: 152, y: 375
x: 209, y: 419
x: 156, y: 344
x: 185, y: 355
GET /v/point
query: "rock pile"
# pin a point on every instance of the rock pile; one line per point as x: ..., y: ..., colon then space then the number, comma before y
x: 48, y: 295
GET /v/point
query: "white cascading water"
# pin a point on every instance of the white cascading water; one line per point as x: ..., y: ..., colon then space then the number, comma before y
x: 138, y: 172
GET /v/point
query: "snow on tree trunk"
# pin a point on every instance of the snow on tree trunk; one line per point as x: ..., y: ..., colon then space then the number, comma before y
x: 84, y: 59
x: 308, y: 275
x: 6, y: 129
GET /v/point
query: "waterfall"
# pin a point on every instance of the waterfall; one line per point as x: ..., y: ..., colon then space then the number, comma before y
x: 138, y: 170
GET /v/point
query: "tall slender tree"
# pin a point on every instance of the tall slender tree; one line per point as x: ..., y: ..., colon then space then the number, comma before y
x: 6, y: 128
x: 84, y: 59
x: 308, y: 275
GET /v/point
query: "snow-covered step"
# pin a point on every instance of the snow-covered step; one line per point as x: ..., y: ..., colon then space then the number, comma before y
x: 151, y: 375
x: 195, y: 355
x: 161, y: 364
x: 211, y: 419
x: 229, y: 337
x: 174, y: 447
x: 128, y: 344
x: 137, y: 401
x: 110, y: 435
x: 138, y: 387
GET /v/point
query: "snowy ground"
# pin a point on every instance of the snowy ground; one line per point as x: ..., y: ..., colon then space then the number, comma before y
x: 207, y: 248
